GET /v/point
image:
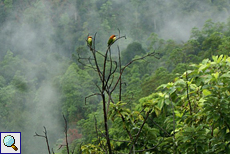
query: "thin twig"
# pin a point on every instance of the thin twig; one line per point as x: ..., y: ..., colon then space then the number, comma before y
x: 174, y: 126
x: 119, y: 56
x: 98, y: 88
x: 79, y: 60
x: 61, y: 146
x: 46, y: 137
x: 94, y: 42
x: 123, y: 120
x: 150, y: 148
x: 91, y: 96
x: 108, y: 103
x: 111, y: 63
x: 118, y: 31
x: 66, y: 137
x: 89, y: 59
x: 105, y: 122
x: 190, y: 107
x: 110, y: 70
x: 120, y: 140
x: 135, y: 140
x: 73, y: 150
x: 107, y: 82
x: 116, y: 40
x: 95, y: 60
x: 149, y: 54
x: 80, y: 148
x: 109, y: 86
x: 95, y: 120
x: 161, y: 128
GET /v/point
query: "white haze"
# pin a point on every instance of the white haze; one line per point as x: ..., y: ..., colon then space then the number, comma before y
x: 26, y: 40
x: 35, y: 44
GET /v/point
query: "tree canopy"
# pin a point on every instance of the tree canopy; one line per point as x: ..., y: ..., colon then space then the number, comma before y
x: 175, y: 102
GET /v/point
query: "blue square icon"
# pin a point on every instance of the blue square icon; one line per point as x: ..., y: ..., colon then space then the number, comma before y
x: 10, y: 142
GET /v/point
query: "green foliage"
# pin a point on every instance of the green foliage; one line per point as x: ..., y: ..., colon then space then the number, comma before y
x: 201, y: 107
x: 38, y: 78
x: 90, y: 148
x: 9, y: 65
x: 8, y: 5
x: 131, y: 51
x: 161, y: 75
x: 106, y: 15
x: 72, y: 83
x: 192, y: 113
x: 188, y: 115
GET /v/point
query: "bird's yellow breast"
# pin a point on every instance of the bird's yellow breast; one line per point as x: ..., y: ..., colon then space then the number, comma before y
x: 89, y: 39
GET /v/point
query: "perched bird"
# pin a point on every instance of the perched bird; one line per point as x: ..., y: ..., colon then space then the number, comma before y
x: 89, y: 41
x: 111, y: 40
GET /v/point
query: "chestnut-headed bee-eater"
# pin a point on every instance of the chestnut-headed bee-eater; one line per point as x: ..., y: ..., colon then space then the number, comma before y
x: 111, y: 40
x: 89, y: 41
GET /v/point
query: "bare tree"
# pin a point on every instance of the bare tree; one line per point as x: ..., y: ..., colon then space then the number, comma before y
x: 106, y: 89
x: 109, y: 83
x: 46, y: 137
x: 47, y: 141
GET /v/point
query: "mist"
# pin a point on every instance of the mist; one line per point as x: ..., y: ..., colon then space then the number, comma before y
x: 43, y: 35
x: 30, y: 39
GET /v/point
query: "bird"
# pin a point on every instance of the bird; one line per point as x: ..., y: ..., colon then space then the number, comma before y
x: 89, y: 41
x: 111, y: 40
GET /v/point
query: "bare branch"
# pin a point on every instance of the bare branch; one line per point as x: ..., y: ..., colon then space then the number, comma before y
x: 53, y: 151
x: 174, y: 126
x: 119, y: 56
x: 61, y: 146
x: 98, y: 87
x: 79, y: 60
x: 110, y: 83
x: 118, y: 31
x: 84, y: 58
x: 91, y: 96
x: 46, y: 137
x: 66, y: 137
x: 122, y: 70
x: 73, y: 150
x: 108, y: 103
x: 111, y: 64
x: 116, y: 40
x: 190, y: 107
x: 94, y: 42
x: 105, y: 121
x: 89, y: 59
x: 110, y: 69
x: 161, y: 128
x: 123, y: 120
x: 120, y: 140
x: 150, y: 148
x: 114, y: 68
x: 80, y: 148
x: 135, y: 140
x: 128, y: 132
x: 95, y: 60
x: 95, y: 120
x: 110, y: 74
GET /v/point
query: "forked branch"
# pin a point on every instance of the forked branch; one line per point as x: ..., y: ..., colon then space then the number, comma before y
x: 91, y: 96
x: 122, y: 70
x: 138, y: 133
x: 46, y: 137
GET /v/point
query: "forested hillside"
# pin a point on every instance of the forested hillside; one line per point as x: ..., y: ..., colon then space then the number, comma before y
x: 165, y: 86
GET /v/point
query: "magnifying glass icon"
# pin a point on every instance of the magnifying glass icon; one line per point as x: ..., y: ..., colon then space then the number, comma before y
x: 9, y: 141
